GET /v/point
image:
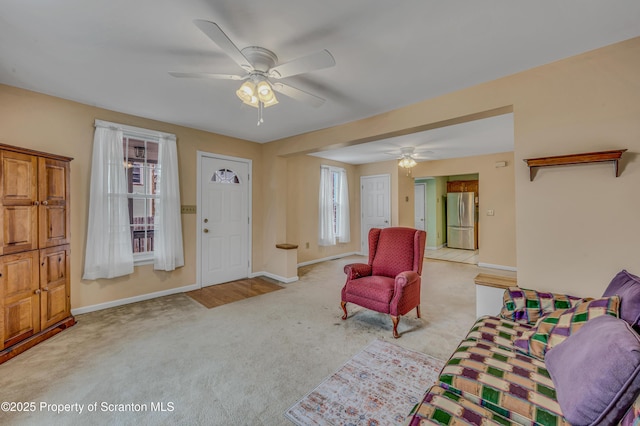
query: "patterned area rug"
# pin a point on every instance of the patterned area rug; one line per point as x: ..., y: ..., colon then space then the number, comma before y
x: 378, y: 386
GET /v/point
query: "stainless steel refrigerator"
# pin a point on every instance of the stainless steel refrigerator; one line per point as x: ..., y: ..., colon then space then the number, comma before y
x: 461, y: 220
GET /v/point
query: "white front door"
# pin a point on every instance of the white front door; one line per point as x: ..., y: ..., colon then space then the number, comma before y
x: 420, y: 190
x: 224, y: 219
x: 375, y: 206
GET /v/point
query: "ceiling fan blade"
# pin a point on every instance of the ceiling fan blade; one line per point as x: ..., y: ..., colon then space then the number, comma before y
x: 207, y: 75
x: 315, y: 61
x: 218, y: 36
x: 298, y: 95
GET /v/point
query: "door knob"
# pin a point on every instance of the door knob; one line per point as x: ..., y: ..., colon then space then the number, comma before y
x: 206, y: 231
x: 206, y: 220
x: 37, y: 291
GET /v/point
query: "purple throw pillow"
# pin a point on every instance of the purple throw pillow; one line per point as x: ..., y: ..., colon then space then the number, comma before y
x: 627, y: 286
x: 595, y: 371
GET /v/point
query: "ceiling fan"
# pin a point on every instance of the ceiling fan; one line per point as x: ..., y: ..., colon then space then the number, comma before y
x: 261, y: 67
x: 408, y: 157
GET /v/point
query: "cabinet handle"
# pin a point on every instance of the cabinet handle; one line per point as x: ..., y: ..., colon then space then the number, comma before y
x: 45, y: 203
x: 36, y: 203
x: 37, y: 291
x: 42, y: 263
x: 45, y: 289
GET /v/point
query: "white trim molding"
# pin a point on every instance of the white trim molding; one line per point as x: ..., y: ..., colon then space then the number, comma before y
x: 134, y: 299
x: 324, y: 259
x: 274, y: 277
x: 501, y: 267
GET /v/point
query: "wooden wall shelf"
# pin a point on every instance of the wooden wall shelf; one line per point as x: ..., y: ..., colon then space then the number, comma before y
x: 562, y: 160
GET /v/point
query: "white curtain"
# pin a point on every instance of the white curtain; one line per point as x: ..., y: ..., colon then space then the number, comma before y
x: 333, y: 214
x: 343, y: 227
x: 326, y: 233
x: 108, y: 252
x: 167, y: 250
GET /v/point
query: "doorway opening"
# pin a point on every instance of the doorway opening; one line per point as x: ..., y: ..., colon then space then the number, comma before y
x: 450, y: 236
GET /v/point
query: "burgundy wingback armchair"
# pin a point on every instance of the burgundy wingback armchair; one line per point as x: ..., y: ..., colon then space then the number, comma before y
x: 390, y: 282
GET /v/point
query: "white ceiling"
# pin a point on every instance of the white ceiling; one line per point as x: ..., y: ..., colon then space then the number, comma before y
x: 480, y: 137
x: 116, y: 54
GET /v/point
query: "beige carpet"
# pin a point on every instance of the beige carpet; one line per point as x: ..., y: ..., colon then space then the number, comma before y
x: 243, y: 363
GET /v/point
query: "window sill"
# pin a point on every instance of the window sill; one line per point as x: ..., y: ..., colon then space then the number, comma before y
x: 146, y: 260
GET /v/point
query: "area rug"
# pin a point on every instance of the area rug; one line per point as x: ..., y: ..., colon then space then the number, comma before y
x: 378, y: 386
x: 221, y: 294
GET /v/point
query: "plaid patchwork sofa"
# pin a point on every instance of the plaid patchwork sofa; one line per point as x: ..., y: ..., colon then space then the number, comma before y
x: 527, y: 366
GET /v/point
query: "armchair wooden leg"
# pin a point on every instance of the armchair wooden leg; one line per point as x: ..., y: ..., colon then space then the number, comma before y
x: 395, y: 321
x: 418, y: 311
x: 343, y: 304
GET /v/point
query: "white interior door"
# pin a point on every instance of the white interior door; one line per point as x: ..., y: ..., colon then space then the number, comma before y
x: 224, y: 220
x: 375, y: 206
x: 420, y: 190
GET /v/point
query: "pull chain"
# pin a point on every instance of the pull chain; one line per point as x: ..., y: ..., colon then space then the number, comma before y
x: 260, y: 106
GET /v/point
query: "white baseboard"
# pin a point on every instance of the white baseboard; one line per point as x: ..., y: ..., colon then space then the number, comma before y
x: 324, y: 259
x: 435, y: 248
x: 192, y: 287
x: 274, y: 277
x: 133, y: 299
x: 492, y: 266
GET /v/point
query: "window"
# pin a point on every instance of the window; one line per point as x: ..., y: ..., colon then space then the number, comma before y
x: 333, y: 221
x: 141, y: 160
x: 225, y: 176
x: 134, y: 205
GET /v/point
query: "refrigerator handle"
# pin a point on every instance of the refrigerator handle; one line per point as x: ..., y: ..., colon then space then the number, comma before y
x: 460, y: 209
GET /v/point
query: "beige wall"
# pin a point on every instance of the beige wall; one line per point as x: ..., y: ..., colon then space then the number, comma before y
x: 496, y: 234
x: 302, y: 214
x: 576, y: 226
x: 49, y: 124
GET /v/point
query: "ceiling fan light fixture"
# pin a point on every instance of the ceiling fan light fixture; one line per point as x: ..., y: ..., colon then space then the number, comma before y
x: 246, y: 92
x: 406, y: 162
x: 266, y: 94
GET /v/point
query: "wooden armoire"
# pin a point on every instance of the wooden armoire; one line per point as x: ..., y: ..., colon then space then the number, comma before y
x: 34, y: 248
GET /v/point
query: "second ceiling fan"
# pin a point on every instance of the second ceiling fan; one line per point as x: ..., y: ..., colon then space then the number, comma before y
x: 261, y: 67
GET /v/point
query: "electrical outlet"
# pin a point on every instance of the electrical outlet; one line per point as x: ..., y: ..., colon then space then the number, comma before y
x: 188, y: 209
x: 490, y: 212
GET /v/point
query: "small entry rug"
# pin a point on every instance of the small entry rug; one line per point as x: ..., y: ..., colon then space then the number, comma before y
x: 378, y: 386
x: 221, y: 294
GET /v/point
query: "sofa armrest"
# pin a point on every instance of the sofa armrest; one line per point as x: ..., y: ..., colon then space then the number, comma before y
x: 357, y: 270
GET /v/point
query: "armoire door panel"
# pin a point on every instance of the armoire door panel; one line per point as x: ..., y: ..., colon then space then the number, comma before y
x: 54, y: 283
x: 53, y: 189
x: 18, y: 198
x: 19, y: 178
x: 19, y: 284
x: 19, y: 229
